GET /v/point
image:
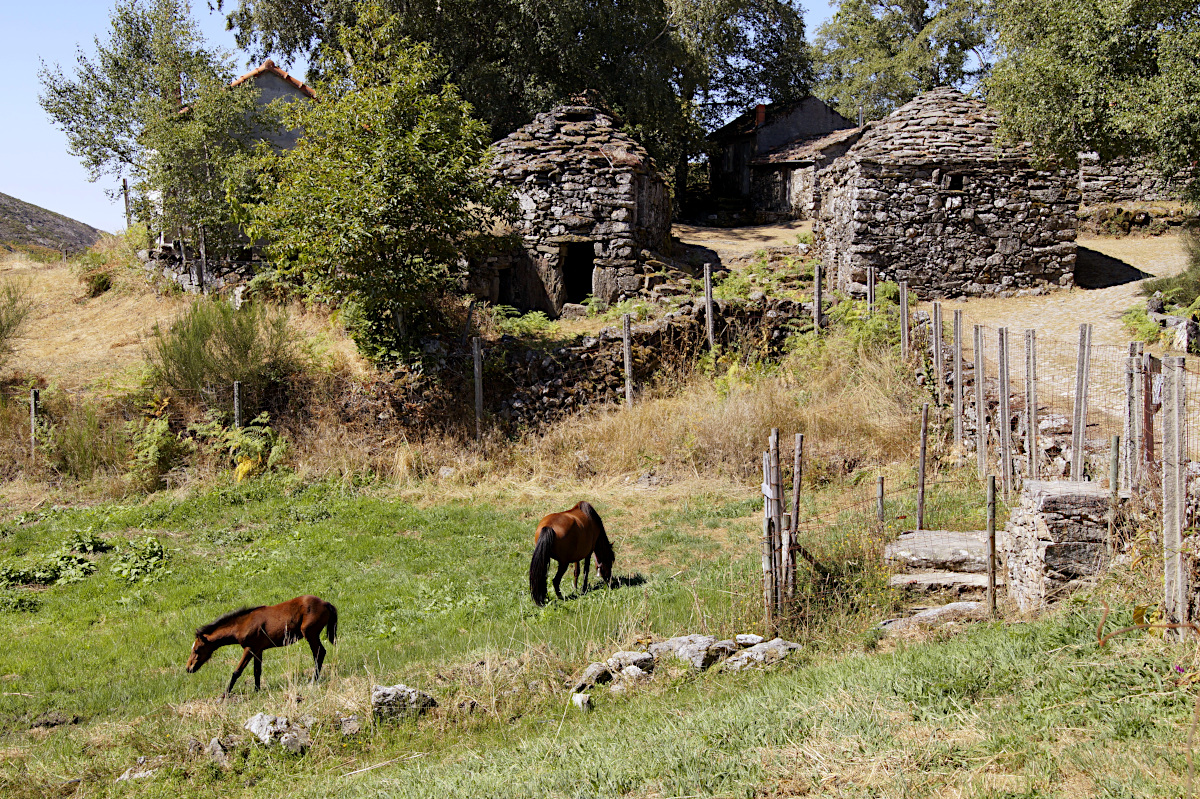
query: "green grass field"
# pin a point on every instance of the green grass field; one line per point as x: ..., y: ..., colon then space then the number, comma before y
x: 434, y: 594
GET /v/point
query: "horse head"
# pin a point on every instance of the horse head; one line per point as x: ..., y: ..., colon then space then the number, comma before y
x: 202, y: 650
x: 604, y: 568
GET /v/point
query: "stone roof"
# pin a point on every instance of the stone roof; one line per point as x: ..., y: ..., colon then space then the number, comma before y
x: 941, y: 126
x: 568, y: 135
x: 805, y: 150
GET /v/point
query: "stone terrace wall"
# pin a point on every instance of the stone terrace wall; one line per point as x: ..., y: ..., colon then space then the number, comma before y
x: 1004, y: 230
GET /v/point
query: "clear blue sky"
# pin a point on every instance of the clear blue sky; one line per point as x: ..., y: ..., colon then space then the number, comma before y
x: 34, y: 163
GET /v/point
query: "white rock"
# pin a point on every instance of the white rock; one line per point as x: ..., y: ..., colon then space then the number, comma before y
x: 582, y: 701
x: 748, y: 639
x: 765, y: 654
x: 399, y: 700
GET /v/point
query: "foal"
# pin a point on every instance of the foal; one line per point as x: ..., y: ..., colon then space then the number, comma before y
x: 266, y: 627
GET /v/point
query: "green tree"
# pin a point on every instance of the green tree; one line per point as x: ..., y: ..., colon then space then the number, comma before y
x: 1116, y: 77
x: 379, y: 201
x: 879, y: 54
x: 667, y: 67
x: 153, y: 104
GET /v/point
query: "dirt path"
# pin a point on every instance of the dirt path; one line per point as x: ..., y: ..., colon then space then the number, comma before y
x: 730, y: 243
x: 1059, y: 314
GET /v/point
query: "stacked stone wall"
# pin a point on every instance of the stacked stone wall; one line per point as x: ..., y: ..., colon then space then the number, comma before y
x: 1122, y: 181
x: 966, y: 230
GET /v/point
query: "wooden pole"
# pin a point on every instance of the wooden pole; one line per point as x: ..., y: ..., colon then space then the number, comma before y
x: 1004, y: 428
x: 939, y: 360
x: 34, y: 398
x: 625, y: 338
x: 921, y: 467
x: 1079, y: 423
x: 467, y: 325
x: 981, y: 429
x: 125, y: 191
x: 1175, y: 572
x: 871, y: 290
x: 768, y: 584
x: 958, y: 381
x: 817, y: 290
x: 1132, y: 428
x: 794, y: 526
x: 1114, y: 486
x: 1032, y: 452
x: 237, y: 403
x: 1151, y: 369
x: 879, y: 508
x: 789, y: 562
x: 708, y: 307
x: 991, y: 534
x: 477, y: 353
x: 776, y: 517
x: 905, y: 343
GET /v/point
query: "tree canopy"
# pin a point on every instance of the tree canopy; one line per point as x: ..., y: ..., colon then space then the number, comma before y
x: 879, y: 54
x: 666, y: 67
x: 1115, y: 77
x: 383, y: 196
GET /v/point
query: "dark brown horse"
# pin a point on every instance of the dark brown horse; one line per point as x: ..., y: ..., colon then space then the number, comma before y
x: 266, y: 627
x: 569, y: 537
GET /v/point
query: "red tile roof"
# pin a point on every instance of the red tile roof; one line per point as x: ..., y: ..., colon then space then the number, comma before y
x: 269, y: 66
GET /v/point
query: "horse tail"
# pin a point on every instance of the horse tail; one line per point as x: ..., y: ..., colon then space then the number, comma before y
x: 331, y: 627
x: 540, y: 564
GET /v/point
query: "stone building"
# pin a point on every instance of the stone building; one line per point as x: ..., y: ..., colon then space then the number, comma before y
x: 783, y: 182
x: 928, y: 196
x: 763, y: 130
x: 273, y: 84
x: 592, y: 207
x: 1122, y: 181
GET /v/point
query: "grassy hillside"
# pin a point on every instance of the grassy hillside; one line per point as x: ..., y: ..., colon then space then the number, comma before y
x: 28, y: 228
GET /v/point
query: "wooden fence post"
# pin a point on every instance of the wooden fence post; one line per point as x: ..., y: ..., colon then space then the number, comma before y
x: 1175, y: 571
x: 1114, y: 492
x: 981, y: 430
x: 921, y: 467
x: 625, y: 338
x: 797, y: 479
x: 905, y: 342
x: 991, y: 534
x: 125, y: 191
x: 871, y: 290
x: 939, y: 362
x: 1132, y: 429
x: 817, y: 289
x: 35, y: 397
x: 1151, y: 372
x: 1079, y: 421
x: 1032, y: 453
x: 879, y: 508
x: 708, y: 307
x: 477, y: 356
x: 1004, y: 428
x: 776, y: 516
x: 768, y: 581
x: 237, y: 403
x: 958, y: 381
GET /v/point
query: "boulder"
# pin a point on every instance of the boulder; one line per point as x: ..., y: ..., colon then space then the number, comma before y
x: 748, y: 639
x: 594, y: 674
x: 764, y: 654
x: 581, y: 701
x: 349, y: 725
x: 624, y: 660
x: 278, y: 730
x: 394, y: 701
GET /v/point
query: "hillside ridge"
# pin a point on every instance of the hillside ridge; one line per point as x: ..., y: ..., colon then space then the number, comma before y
x: 23, y: 224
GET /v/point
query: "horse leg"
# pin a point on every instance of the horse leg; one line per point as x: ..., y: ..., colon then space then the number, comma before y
x: 562, y: 569
x: 318, y: 651
x: 587, y: 563
x: 238, y: 671
x: 576, y: 564
x: 257, y: 670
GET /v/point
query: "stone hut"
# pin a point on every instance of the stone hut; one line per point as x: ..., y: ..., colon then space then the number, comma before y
x: 928, y: 196
x: 783, y: 181
x: 592, y: 208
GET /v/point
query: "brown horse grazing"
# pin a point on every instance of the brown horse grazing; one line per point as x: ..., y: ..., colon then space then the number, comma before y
x: 569, y: 537
x: 266, y: 627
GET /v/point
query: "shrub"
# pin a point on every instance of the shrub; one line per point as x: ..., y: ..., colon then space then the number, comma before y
x: 77, y: 440
x: 1141, y: 326
x: 141, y: 561
x: 1182, y: 290
x: 15, y: 310
x: 212, y: 345
x: 512, y: 322
x: 156, y: 451
x: 253, y: 449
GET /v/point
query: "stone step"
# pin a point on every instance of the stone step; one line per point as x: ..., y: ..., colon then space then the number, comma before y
x: 932, y: 581
x: 939, y: 550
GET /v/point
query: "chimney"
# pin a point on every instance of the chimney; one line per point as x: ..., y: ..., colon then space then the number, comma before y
x: 760, y: 115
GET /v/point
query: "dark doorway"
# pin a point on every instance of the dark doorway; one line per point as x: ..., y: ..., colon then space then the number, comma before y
x: 577, y: 264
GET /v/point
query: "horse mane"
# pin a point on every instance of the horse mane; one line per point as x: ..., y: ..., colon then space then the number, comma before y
x: 213, y: 626
x: 604, y: 551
